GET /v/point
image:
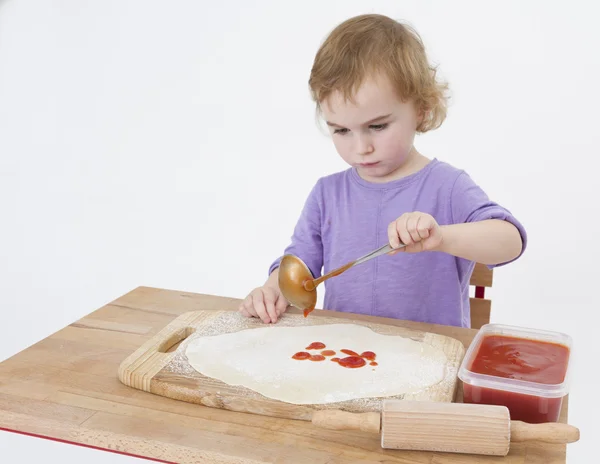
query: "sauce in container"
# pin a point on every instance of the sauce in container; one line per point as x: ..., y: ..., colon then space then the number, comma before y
x: 523, y: 369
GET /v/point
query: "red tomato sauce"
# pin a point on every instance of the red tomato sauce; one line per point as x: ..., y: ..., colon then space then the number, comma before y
x: 353, y: 360
x: 519, y: 359
x: 316, y: 346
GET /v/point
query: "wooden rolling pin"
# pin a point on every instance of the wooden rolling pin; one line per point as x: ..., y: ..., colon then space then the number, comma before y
x: 445, y: 427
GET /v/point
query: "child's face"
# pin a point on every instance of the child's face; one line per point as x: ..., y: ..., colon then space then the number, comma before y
x: 375, y: 133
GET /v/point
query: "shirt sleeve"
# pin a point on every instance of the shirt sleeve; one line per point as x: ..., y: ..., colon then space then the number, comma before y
x: 471, y: 204
x: 306, y: 241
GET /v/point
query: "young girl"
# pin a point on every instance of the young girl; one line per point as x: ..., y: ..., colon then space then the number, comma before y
x: 373, y: 85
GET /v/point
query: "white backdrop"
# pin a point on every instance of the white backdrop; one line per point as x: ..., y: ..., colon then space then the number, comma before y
x: 172, y: 144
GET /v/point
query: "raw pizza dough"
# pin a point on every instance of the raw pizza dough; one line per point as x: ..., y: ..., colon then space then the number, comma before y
x: 261, y: 360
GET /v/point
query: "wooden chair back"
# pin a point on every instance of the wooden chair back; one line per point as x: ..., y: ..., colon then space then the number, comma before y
x: 481, y: 307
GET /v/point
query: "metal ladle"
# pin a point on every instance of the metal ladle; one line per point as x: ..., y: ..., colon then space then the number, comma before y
x: 300, y: 288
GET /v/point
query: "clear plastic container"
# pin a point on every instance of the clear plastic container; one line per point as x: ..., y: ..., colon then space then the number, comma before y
x: 527, y: 400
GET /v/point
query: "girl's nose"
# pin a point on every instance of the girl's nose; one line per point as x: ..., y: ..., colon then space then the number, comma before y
x: 365, y: 146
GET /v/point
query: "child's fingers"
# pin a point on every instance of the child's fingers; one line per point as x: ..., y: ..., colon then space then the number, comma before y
x: 414, y: 247
x: 422, y: 226
x: 244, y: 312
x: 281, y: 305
x: 393, y: 235
x: 259, y: 307
x: 271, y: 297
x: 414, y: 230
x: 425, y: 225
x: 271, y: 311
x: 411, y: 227
x: 246, y: 307
x: 423, y: 231
x: 402, y: 230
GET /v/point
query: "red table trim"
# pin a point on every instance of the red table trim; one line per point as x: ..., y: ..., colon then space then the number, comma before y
x: 85, y: 446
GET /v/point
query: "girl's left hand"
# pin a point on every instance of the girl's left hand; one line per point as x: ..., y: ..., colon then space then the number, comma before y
x: 418, y: 231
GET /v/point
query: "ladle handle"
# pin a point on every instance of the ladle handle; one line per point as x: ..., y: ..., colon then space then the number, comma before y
x: 311, y: 285
x: 374, y: 254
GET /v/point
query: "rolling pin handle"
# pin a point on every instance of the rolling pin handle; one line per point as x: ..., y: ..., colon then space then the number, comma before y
x: 343, y: 420
x: 549, y: 432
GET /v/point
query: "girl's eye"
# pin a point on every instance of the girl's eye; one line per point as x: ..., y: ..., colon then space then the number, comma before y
x: 378, y: 127
x: 341, y: 131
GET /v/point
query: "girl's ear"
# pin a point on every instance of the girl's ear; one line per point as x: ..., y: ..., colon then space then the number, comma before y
x: 419, y: 120
x: 421, y: 115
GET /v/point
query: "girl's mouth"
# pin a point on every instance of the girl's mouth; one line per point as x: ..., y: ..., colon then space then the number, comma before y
x: 368, y: 165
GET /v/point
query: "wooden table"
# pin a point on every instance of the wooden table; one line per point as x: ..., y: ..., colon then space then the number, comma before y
x: 65, y: 388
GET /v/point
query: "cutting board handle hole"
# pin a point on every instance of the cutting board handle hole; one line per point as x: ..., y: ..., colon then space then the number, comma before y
x: 171, y: 343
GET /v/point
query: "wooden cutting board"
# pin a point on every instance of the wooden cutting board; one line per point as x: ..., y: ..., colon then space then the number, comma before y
x: 160, y: 366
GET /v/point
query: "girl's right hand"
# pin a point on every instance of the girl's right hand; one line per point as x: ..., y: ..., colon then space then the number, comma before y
x: 265, y: 302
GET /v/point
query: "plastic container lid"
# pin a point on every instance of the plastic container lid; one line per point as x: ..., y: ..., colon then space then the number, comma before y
x: 514, y: 385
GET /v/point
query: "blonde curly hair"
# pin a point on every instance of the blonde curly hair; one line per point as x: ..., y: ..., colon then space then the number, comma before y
x: 369, y: 44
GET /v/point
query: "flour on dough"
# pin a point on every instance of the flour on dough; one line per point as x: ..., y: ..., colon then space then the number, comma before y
x: 261, y: 359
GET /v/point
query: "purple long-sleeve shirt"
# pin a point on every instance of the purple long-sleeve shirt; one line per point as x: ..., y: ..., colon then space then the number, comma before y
x: 346, y: 217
